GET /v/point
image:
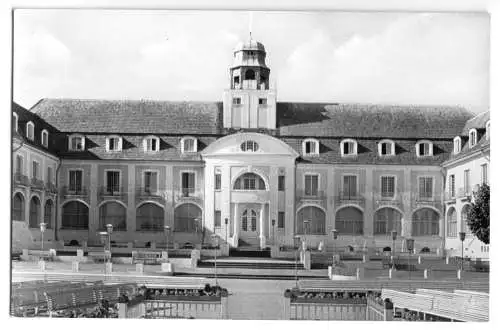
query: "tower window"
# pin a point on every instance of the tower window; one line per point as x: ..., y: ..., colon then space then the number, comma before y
x: 237, y: 79
x: 262, y: 101
x: 250, y: 75
x: 237, y: 100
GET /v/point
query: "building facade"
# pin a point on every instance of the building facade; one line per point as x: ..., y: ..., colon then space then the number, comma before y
x: 250, y: 169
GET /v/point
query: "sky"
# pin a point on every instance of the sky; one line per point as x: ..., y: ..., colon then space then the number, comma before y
x: 396, y: 58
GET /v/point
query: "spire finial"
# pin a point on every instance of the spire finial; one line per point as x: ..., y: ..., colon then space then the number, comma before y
x: 250, y: 22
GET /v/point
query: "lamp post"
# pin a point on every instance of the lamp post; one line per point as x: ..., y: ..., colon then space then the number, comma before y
x: 335, y: 235
x: 273, y: 222
x: 167, y: 233
x: 462, y: 239
x: 216, y: 240
x: 109, y: 229
x: 409, y: 247
x: 296, y: 244
x: 226, y: 222
x: 43, y: 226
x: 306, y: 225
x: 393, y: 251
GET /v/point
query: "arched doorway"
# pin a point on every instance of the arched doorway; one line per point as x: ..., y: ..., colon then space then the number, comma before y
x: 113, y: 213
x: 185, y: 217
x: 249, y: 223
x: 464, y: 216
x: 451, y: 222
x: 316, y: 218
x: 34, y: 212
x: 425, y: 222
x: 149, y: 217
x: 386, y: 220
x: 249, y: 181
x: 75, y: 215
x: 349, y: 221
x: 18, y: 207
x: 48, y: 212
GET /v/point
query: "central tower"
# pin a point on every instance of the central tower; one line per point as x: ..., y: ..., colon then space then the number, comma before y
x: 249, y: 103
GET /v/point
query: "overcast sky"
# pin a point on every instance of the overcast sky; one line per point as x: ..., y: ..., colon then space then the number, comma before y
x: 402, y: 58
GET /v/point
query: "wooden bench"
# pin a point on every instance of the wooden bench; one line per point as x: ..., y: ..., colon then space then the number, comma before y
x: 146, y: 257
x: 99, y: 256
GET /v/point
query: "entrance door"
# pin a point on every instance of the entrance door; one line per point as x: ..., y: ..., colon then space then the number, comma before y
x: 248, y: 224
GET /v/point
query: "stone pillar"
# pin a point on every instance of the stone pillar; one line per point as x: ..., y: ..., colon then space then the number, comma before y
x: 262, y: 234
x: 109, y: 267
x: 360, y: 273
x: 168, y: 186
x: 139, y: 268
x: 289, y: 203
x: 93, y: 190
x: 391, y: 271
x: 426, y: 273
x: 224, y: 308
x: 131, y: 211
x: 287, y: 310
x: 225, y: 195
x: 406, y: 220
x: 369, y: 207
x: 236, y: 223
x: 75, y: 266
x: 307, y: 260
x: 388, y: 311
x: 122, y: 310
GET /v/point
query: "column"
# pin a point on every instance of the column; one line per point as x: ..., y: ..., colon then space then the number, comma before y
x: 262, y: 232
x: 225, y: 195
x: 168, y: 184
x: 93, y: 211
x: 406, y: 221
x: 131, y: 212
x: 289, y: 203
x: 368, y: 209
x: 330, y: 204
x: 236, y: 223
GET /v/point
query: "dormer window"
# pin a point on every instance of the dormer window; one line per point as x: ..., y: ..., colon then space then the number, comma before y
x: 189, y: 144
x: 249, y: 146
x: 472, y: 137
x: 76, y: 143
x: 386, y: 148
x: 457, y: 144
x: 151, y: 144
x: 488, y: 130
x: 15, y: 121
x: 310, y: 147
x: 45, y: 138
x: 113, y: 143
x: 30, y: 131
x: 348, y: 147
x: 424, y: 148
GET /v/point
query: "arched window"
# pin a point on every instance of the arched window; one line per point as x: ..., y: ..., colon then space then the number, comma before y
x: 349, y: 220
x: 76, y: 143
x: 34, y: 212
x: 424, y: 148
x: 113, y: 143
x: 425, y: 222
x: 75, y: 215
x: 48, y: 212
x: 30, y: 131
x: 472, y: 137
x: 250, y: 146
x: 18, y: 207
x: 189, y: 144
x: 113, y: 213
x: 386, y: 220
x: 149, y: 217
x: 386, y: 148
x: 250, y: 75
x: 151, y: 144
x: 310, y: 147
x: 348, y: 147
x: 249, y: 220
x: 249, y: 181
x: 316, y: 224
x: 45, y: 138
x: 464, y: 216
x: 187, y: 218
x: 451, y: 221
x: 15, y: 120
x: 457, y: 144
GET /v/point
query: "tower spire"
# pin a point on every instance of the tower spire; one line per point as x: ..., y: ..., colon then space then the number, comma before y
x: 250, y: 22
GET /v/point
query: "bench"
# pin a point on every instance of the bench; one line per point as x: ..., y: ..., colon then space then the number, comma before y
x: 41, y: 255
x: 146, y: 257
x: 100, y: 256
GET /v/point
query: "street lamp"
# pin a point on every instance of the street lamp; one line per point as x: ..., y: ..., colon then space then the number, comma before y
x: 109, y: 229
x: 306, y: 225
x: 43, y: 226
x: 167, y: 233
x: 335, y: 235
x: 273, y: 222
x: 226, y: 222
x: 409, y: 247
x: 296, y: 244
x: 393, y: 251
x: 216, y: 241
x: 462, y: 238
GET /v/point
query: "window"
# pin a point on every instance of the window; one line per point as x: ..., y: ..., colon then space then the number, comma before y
x: 311, y: 184
x: 150, y: 182
x: 250, y: 146
x: 151, y: 144
x: 465, y: 215
x: 113, y: 213
x: 425, y: 222
x: 388, y: 186
x: 249, y: 181
x: 236, y: 100
x: 467, y: 182
x: 35, y: 209
x: 188, y: 218
x: 452, y: 223
x: 113, y: 143
x: 262, y: 101
x: 281, y: 220
x: 50, y: 175
x: 310, y: 147
x: 424, y: 148
x: 14, y: 122
x: 19, y: 165
x: 217, y: 219
x: 457, y: 144
x: 189, y: 144
x: 349, y: 220
x: 311, y: 220
x: 75, y: 215
x: 188, y: 183
x: 47, y: 214
x: 30, y: 131
x: 218, y: 181
x: 35, y: 172
x: 386, y: 220
x: 484, y: 174
x: 386, y: 148
x: 281, y: 183
x: 18, y: 207
x: 488, y: 130
x: 45, y: 138
x: 76, y: 143
x: 150, y: 217
x: 75, y: 180
x: 452, y: 185
x: 472, y: 137
x: 349, y: 147
x: 349, y: 187
x: 425, y: 187
x: 112, y: 182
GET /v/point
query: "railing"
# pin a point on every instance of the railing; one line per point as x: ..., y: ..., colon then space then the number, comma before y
x: 21, y: 179
x: 152, y: 227
x: 37, y: 184
x: 419, y: 200
x: 143, y: 193
x: 342, y: 199
x: 189, y: 194
x: 50, y: 188
x: 450, y: 197
x: 465, y: 192
x: 395, y: 200
x: 303, y: 195
x: 111, y: 192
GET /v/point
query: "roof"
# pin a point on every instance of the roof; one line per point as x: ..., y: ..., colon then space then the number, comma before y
x: 250, y: 44
x: 130, y: 116
x: 370, y: 120
x: 479, y: 121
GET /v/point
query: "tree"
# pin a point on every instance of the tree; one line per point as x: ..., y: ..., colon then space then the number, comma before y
x: 478, y: 217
